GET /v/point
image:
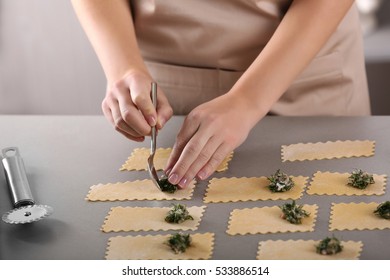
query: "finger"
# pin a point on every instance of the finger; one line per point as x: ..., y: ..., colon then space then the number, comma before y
x: 164, y: 110
x: 118, y: 122
x: 140, y: 96
x: 108, y: 114
x: 188, y: 156
x: 128, y: 110
x: 107, y: 111
x: 187, y: 130
x: 203, y: 158
x: 132, y: 117
x: 131, y: 137
x: 212, y: 165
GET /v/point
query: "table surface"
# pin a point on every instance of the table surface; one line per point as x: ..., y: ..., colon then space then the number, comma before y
x: 65, y: 155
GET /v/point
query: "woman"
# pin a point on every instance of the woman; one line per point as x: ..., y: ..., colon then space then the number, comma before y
x: 225, y: 64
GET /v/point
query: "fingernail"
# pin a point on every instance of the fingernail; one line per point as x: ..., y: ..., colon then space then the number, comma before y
x: 168, y: 171
x: 173, y: 179
x: 202, y: 175
x: 152, y: 121
x: 183, y: 183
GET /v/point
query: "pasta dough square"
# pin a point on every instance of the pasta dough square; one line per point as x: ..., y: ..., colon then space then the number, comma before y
x: 305, y: 250
x: 148, y: 218
x: 356, y: 216
x: 328, y: 150
x: 336, y: 184
x: 136, y: 190
x: 154, y: 247
x: 268, y: 220
x: 250, y: 189
x: 139, y: 158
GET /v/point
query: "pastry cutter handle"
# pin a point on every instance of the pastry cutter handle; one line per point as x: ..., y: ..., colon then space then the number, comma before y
x: 16, y: 177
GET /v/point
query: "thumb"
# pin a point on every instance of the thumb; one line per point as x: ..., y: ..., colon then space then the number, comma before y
x: 141, y: 97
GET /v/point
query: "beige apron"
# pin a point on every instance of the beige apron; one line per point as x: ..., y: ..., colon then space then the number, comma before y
x: 197, y: 49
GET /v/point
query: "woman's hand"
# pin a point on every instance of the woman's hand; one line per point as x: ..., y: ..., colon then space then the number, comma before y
x: 209, y: 133
x: 127, y: 105
x: 129, y: 108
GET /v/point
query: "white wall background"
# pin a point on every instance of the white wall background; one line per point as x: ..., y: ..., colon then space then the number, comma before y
x: 47, y: 65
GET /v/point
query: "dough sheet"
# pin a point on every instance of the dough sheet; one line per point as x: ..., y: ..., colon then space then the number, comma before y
x: 328, y: 150
x: 139, y: 158
x: 136, y: 190
x: 268, y: 220
x: 154, y: 247
x: 335, y: 183
x: 305, y: 250
x: 356, y: 216
x: 250, y: 189
x: 148, y: 218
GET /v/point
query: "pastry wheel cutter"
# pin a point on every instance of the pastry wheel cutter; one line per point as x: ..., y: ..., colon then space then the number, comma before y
x: 25, y: 210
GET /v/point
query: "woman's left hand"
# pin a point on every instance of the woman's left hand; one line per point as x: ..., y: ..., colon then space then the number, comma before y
x: 209, y: 133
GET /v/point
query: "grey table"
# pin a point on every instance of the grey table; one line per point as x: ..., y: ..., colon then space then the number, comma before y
x: 65, y: 155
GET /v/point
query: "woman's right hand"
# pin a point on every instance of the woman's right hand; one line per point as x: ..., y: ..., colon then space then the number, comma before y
x: 129, y: 108
x: 127, y: 105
